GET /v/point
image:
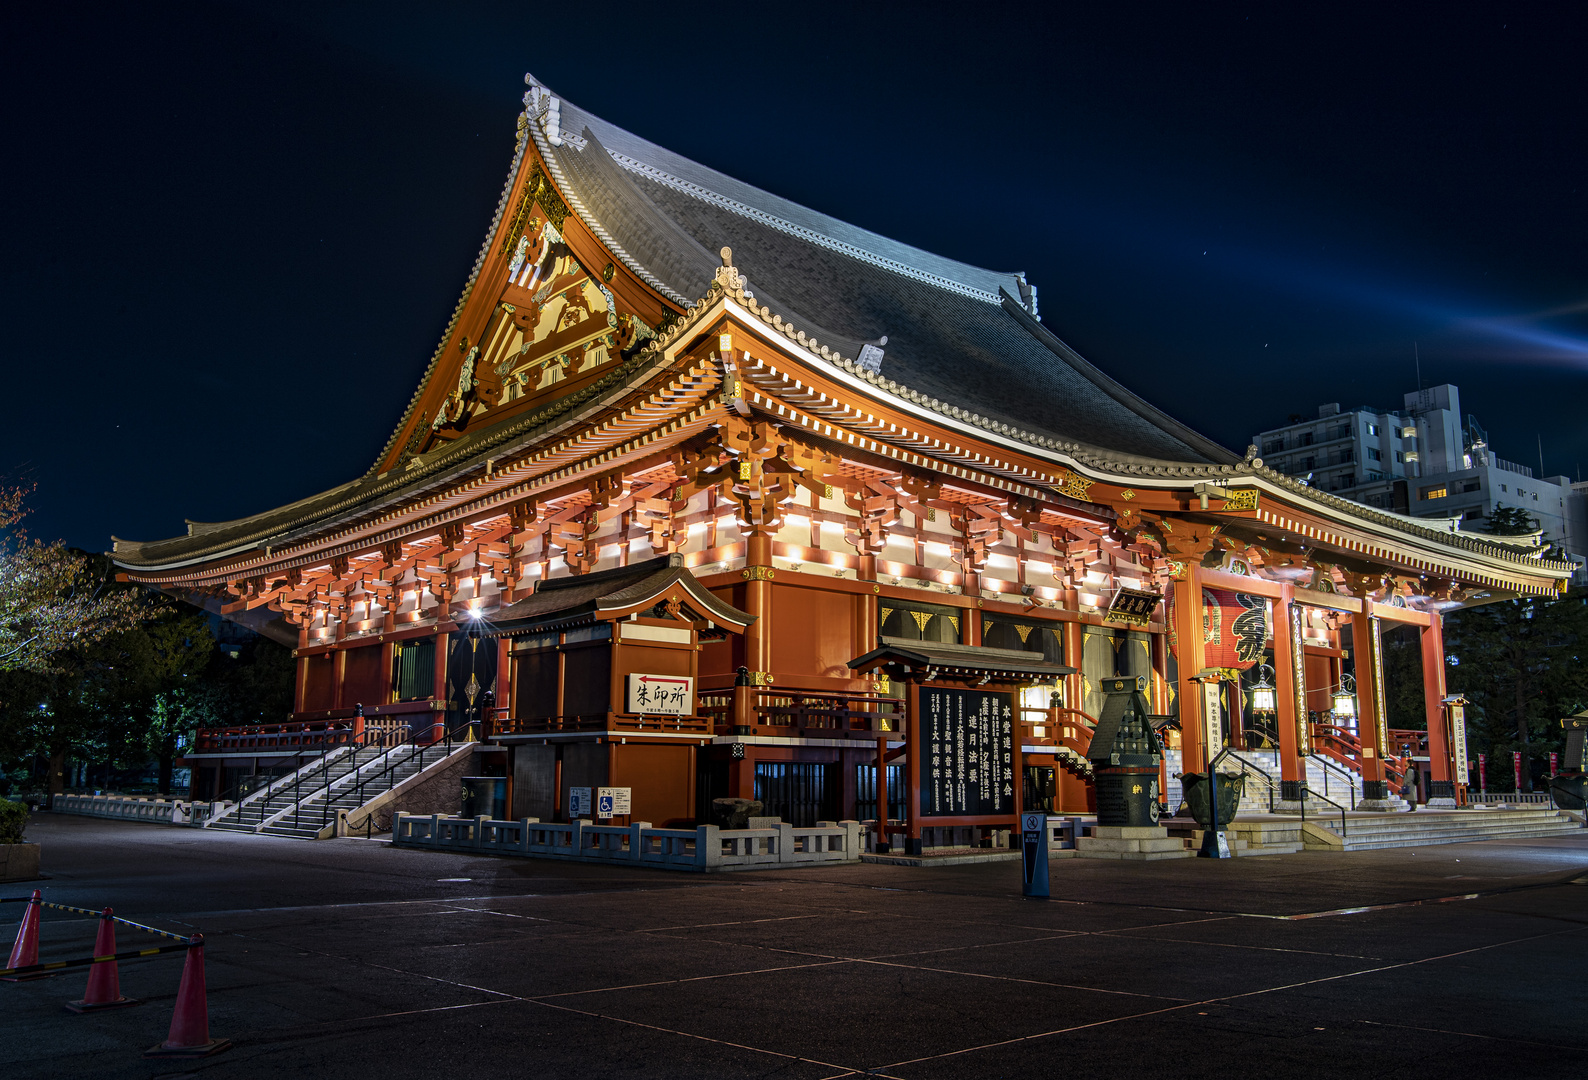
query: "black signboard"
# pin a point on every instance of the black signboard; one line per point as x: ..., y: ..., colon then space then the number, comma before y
x: 966, y: 753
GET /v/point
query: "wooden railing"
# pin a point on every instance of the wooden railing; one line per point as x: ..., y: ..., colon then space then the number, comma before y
x: 299, y: 736
x: 306, y: 736
x: 813, y: 712
x: 552, y: 725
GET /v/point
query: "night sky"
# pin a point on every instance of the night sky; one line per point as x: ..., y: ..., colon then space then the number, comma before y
x: 234, y: 233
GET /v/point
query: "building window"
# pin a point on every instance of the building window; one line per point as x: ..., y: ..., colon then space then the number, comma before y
x: 1470, y: 485
x: 1372, y: 429
x: 1408, y: 433
x: 1372, y: 455
x: 414, y: 669
x: 1411, y: 455
x: 1273, y: 446
x: 920, y: 622
x: 1434, y: 493
x: 1504, y: 488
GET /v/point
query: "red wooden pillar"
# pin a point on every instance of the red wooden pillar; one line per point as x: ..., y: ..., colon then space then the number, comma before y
x: 439, y: 691
x: 1074, y: 642
x: 504, y: 681
x: 758, y: 600
x: 301, y: 684
x: 1371, y: 725
x: 1191, y: 657
x: 868, y: 629
x: 339, y: 678
x: 1443, y: 780
x: 1290, y: 682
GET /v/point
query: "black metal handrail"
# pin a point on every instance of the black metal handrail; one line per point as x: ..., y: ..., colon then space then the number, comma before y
x: 446, y: 742
x: 1329, y: 766
x: 1246, y: 770
x: 370, y: 736
x: 449, y: 736
x: 1325, y: 798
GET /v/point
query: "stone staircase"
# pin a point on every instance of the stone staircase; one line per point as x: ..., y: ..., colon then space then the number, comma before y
x: 1367, y: 832
x: 306, y: 803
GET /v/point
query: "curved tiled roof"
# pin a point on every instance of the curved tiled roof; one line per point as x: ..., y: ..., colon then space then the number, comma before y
x: 963, y: 342
x: 955, y: 332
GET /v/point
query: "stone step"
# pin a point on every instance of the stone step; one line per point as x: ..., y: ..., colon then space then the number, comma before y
x: 1407, y: 830
x: 1528, y: 834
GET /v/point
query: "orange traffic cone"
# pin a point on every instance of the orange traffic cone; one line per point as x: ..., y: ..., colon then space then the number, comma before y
x: 190, y: 1024
x: 104, y: 982
x: 26, y: 950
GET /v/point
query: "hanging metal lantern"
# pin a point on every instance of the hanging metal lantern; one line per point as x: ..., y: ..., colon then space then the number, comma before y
x: 1265, y: 699
x: 1345, y: 698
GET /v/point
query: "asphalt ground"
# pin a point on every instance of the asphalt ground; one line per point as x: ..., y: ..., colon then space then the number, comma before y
x: 351, y: 959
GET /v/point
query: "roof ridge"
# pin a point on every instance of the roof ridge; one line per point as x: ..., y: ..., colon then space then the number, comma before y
x: 865, y: 244
x: 801, y: 232
x: 1114, y: 388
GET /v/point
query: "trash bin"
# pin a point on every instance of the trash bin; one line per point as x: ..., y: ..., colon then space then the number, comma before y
x: 485, y: 795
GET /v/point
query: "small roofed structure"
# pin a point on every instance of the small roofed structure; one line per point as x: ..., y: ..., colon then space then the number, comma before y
x: 960, y: 706
x: 603, y: 675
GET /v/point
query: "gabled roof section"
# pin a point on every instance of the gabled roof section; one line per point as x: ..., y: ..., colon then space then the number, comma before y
x: 954, y: 331
x: 960, y: 659
x: 590, y: 596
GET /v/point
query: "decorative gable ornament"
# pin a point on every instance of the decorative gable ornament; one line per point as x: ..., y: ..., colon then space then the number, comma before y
x: 870, y: 358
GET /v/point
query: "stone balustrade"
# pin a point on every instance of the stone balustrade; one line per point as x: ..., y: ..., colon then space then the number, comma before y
x: 704, y: 848
x: 125, y: 808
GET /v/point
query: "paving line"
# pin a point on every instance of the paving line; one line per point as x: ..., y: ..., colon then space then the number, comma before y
x: 688, y: 979
x: 1229, y: 997
x: 720, y: 1042
x: 1254, y: 948
x: 1475, y: 1035
x: 1014, y: 979
x: 1055, y: 936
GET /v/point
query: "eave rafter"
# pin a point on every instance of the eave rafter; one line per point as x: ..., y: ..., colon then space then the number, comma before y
x: 646, y: 423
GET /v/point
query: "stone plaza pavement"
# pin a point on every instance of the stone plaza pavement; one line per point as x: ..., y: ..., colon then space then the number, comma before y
x: 349, y: 959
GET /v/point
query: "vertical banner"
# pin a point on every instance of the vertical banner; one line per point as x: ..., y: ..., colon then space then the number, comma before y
x: 1299, y: 668
x: 1212, y: 722
x: 1516, y: 767
x: 1554, y: 763
x: 1456, y: 724
x: 1483, y: 773
x: 1376, y: 684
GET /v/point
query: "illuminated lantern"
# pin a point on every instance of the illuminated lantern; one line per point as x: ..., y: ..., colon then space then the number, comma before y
x: 1345, y: 699
x: 1265, y: 700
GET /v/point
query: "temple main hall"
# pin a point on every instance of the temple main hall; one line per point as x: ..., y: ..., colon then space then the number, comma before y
x: 706, y: 496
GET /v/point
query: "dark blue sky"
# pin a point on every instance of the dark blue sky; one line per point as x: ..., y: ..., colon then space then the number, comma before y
x: 233, y: 233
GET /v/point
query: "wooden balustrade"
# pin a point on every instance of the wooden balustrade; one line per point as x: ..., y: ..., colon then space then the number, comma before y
x: 816, y: 713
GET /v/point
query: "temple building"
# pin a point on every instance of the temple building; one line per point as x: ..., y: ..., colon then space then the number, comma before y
x: 708, y: 495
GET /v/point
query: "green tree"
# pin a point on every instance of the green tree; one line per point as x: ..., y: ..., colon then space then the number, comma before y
x: 52, y: 597
x: 1510, y: 521
x: 1521, y: 665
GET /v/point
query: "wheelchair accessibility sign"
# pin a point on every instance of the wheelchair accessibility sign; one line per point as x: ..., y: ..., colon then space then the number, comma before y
x: 612, y: 802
